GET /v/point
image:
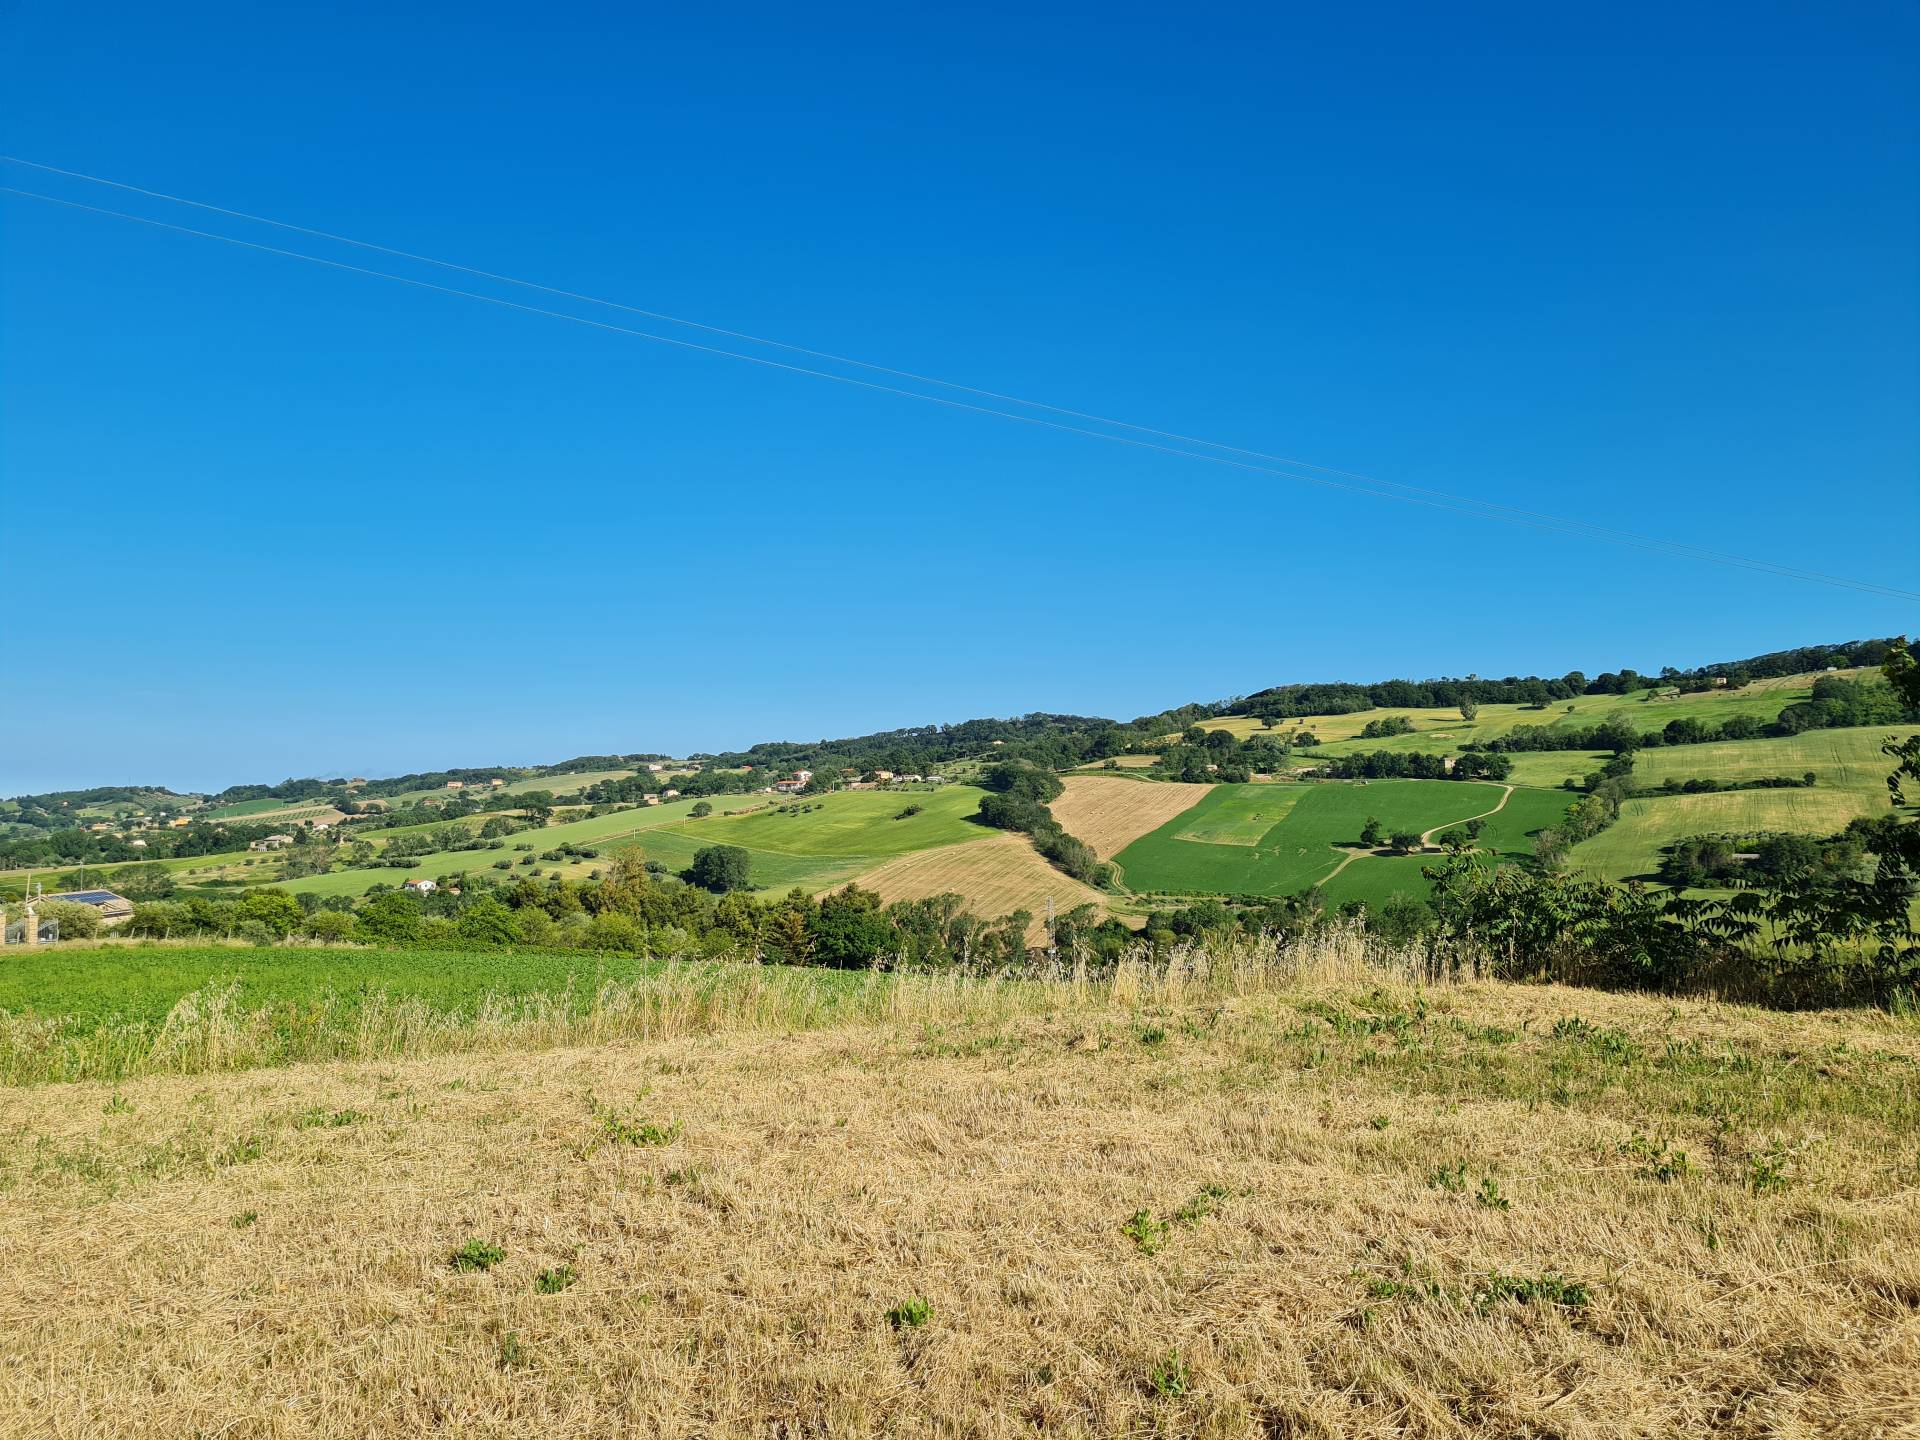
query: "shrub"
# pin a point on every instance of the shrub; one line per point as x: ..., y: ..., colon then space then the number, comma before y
x: 910, y: 1314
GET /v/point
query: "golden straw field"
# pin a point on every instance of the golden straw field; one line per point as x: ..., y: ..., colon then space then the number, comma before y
x: 1266, y: 1194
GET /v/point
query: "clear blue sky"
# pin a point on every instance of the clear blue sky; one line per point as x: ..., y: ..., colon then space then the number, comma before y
x: 1652, y: 266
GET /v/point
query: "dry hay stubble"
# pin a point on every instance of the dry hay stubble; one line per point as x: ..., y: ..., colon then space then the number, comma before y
x: 736, y: 1279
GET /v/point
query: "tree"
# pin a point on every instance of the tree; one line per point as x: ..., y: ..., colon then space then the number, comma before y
x: 1370, y: 833
x: 487, y: 922
x: 275, y: 909
x: 1469, y: 708
x: 1406, y: 841
x: 848, y: 929
x: 719, y: 868
x: 537, y: 805
x: 700, y: 811
x: 392, y: 916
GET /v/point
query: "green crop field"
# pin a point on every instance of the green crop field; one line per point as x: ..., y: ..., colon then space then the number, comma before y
x: 1295, y: 851
x: 853, y: 823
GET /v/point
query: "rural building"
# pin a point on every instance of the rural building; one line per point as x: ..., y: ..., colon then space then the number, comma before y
x: 654, y: 767
x: 649, y: 799
x: 113, y: 908
x: 669, y: 794
x: 420, y: 887
x: 271, y: 842
x: 496, y: 782
x: 179, y: 822
x: 138, y: 844
x: 883, y: 774
x: 456, y: 784
x: 908, y: 779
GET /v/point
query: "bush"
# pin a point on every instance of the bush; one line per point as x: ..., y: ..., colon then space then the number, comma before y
x: 77, y: 921
x: 328, y: 925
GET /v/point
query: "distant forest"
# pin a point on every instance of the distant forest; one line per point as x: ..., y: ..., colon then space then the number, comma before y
x: 1055, y: 741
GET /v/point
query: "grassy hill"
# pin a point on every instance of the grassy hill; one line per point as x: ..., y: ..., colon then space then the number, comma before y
x: 1315, y: 1203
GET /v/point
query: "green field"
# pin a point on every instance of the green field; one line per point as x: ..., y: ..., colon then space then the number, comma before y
x: 1508, y: 834
x: 1297, y: 849
x: 242, y: 808
x: 840, y: 836
x: 594, y: 832
x: 143, y: 982
x: 854, y: 824
x: 1852, y: 784
x: 1442, y: 731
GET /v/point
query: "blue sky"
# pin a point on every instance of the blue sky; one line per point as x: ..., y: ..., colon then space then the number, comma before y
x: 1651, y: 267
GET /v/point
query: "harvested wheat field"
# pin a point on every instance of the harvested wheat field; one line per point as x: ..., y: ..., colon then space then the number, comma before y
x: 1345, y: 1208
x: 1110, y: 814
x: 995, y: 876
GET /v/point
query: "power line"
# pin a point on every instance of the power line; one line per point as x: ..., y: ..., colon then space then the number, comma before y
x: 1353, y: 482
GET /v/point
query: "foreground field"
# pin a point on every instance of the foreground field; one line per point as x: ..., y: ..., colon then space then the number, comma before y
x: 1335, y: 1208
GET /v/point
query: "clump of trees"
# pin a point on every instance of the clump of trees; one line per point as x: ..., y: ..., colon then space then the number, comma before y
x: 1406, y: 764
x: 1016, y: 799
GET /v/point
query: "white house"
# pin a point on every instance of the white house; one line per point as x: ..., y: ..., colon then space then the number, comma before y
x: 420, y: 887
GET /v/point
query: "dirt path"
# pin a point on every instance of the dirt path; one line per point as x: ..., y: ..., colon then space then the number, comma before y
x: 1426, y: 837
x: 1357, y: 852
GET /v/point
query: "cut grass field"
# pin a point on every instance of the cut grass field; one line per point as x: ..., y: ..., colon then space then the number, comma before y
x: 1342, y: 1207
x: 995, y: 876
x: 1109, y: 814
x: 1279, y: 840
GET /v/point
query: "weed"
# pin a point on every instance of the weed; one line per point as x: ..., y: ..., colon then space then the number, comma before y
x: 910, y: 1314
x: 622, y: 1127
x: 1379, y: 1122
x: 118, y: 1105
x: 1490, y: 1195
x: 319, y: 1117
x: 1449, y: 1177
x: 240, y: 1151
x: 552, y: 1282
x: 1171, y: 1379
x: 1206, y: 1203
x: 1660, y: 1161
x: 1767, y: 1174
x: 478, y: 1255
x: 244, y: 1219
x: 1551, y: 1288
x: 1146, y: 1231
x: 513, y: 1354
x: 1153, y: 1035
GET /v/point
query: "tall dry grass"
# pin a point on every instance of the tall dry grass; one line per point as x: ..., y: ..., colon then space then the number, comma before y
x: 211, y: 1029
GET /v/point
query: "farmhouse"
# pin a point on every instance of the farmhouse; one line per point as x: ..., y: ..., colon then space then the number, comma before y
x: 456, y: 784
x: 799, y: 780
x: 669, y: 794
x: 271, y: 842
x: 496, y: 782
x: 420, y: 887
x: 649, y: 799
x: 113, y: 908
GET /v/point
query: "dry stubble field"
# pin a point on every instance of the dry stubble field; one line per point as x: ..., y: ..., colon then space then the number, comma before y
x: 1336, y: 1209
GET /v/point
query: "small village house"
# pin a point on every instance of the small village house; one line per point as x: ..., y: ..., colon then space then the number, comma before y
x: 113, y: 908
